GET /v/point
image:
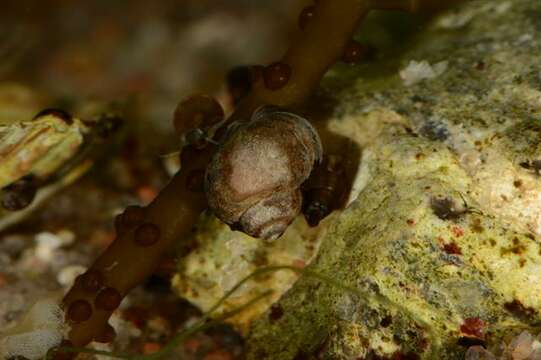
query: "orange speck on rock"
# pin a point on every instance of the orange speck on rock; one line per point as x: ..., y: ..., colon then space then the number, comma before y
x: 474, y: 327
x: 452, y: 248
x: 410, y: 222
x: 457, y: 231
x: 298, y: 263
x: 151, y: 347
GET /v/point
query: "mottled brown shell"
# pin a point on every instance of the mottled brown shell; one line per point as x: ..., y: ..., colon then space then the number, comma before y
x: 253, y: 180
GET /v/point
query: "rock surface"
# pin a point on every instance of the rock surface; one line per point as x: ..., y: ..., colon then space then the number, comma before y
x: 224, y: 257
x: 444, y: 235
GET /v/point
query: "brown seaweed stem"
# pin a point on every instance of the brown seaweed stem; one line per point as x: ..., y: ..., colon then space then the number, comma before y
x: 144, y: 235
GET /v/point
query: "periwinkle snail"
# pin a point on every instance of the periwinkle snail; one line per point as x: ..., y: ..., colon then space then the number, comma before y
x: 253, y: 180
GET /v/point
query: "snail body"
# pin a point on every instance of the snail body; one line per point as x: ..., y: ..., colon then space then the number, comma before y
x: 253, y: 180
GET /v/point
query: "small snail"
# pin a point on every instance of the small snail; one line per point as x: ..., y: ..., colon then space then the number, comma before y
x: 196, y: 118
x: 325, y: 190
x: 253, y: 180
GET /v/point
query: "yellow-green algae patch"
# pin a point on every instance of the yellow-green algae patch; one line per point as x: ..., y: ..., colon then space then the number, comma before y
x: 223, y: 257
x: 444, y: 227
x: 444, y: 233
x: 435, y: 272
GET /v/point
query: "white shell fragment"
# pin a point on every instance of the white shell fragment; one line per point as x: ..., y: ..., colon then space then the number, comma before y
x: 417, y: 71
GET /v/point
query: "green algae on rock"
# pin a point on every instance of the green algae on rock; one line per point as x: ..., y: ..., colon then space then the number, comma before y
x: 446, y: 223
x: 223, y: 257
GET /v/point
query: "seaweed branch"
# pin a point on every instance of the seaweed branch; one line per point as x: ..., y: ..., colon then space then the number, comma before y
x: 144, y: 235
x: 319, y: 44
x: 204, y: 322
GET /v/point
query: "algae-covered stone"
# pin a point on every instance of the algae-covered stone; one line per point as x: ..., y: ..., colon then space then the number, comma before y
x: 224, y: 257
x: 444, y: 236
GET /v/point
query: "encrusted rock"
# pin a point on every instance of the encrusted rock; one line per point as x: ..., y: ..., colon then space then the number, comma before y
x: 223, y: 257
x: 444, y: 234
x: 469, y: 138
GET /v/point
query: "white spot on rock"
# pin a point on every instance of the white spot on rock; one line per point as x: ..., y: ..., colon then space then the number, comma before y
x: 455, y: 20
x: 417, y: 71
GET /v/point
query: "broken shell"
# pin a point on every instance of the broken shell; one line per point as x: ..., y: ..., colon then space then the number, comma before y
x: 39, y: 146
x: 253, y: 180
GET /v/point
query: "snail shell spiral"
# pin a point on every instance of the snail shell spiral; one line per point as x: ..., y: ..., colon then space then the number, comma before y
x: 253, y: 180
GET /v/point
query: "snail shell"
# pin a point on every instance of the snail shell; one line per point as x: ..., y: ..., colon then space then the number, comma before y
x: 195, y: 117
x: 253, y: 180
